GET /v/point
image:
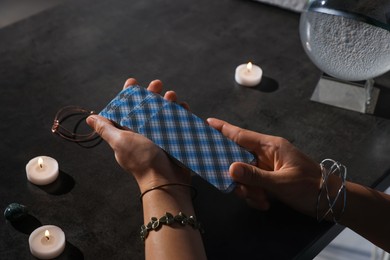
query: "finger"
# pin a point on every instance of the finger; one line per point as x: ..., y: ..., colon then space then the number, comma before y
x: 252, y: 176
x: 171, y: 96
x: 105, y: 129
x: 245, y: 138
x: 240, y: 191
x: 255, y: 197
x: 155, y: 86
x: 130, y: 82
x: 185, y: 105
x: 258, y: 204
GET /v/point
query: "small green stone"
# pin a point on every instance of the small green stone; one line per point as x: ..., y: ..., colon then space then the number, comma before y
x: 170, y: 218
x: 163, y: 219
x: 149, y: 225
x: 143, y: 227
x: 15, y: 212
x: 191, y: 221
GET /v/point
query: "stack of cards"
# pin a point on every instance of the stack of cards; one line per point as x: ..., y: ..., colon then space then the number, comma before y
x: 184, y: 136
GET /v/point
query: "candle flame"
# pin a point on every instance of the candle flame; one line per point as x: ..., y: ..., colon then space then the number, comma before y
x: 47, y: 234
x: 40, y: 162
x: 249, y: 66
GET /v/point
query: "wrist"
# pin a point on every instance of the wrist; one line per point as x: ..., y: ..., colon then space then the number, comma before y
x: 167, y: 185
x: 156, y: 177
x: 333, y: 186
x: 331, y: 201
x: 167, y: 199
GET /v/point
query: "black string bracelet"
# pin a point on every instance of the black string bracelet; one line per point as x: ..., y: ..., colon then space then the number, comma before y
x: 193, y: 190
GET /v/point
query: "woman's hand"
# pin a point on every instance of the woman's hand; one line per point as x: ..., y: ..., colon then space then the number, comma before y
x: 282, y: 170
x: 152, y: 167
x: 135, y: 153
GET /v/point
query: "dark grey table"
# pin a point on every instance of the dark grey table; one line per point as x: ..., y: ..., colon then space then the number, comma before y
x: 81, y: 52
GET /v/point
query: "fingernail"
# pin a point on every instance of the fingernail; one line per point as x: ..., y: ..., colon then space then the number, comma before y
x: 91, y: 120
x: 237, y: 171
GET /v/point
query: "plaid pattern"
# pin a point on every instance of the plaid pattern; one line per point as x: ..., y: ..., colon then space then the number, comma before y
x: 184, y: 136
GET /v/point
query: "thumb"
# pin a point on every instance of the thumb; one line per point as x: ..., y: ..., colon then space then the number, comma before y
x: 104, y: 128
x: 251, y: 175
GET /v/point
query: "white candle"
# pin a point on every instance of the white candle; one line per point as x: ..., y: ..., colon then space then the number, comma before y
x: 47, y: 242
x: 42, y: 170
x: 248, y: 75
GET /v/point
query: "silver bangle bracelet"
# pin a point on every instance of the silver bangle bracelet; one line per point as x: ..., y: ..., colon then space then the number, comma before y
x: 332, y: 167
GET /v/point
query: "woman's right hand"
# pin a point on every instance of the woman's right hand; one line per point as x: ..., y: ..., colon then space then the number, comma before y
x: 281, y: 171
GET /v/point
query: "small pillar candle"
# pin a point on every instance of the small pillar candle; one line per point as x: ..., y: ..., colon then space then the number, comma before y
x: 42, y: 170
x: 248, y: 75
x: 47, y: 242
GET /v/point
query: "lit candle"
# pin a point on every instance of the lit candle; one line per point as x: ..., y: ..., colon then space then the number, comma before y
x: 42, y: 170
x: 47, y: 242
x: 248, y: 75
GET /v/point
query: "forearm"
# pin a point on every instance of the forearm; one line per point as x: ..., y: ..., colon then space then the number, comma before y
x: 174, y: 241
x: 367, y: 212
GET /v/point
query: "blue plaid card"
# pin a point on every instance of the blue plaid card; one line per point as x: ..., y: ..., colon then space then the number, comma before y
x: 184, y: 136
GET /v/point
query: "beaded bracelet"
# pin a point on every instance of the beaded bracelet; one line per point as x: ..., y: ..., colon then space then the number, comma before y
x: 193, y: 190
x: 328, y: 167
x: 168, y: 219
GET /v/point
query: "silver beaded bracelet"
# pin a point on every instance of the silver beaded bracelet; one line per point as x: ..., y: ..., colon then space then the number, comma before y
x: 332, y: 167
x: 168, y: 219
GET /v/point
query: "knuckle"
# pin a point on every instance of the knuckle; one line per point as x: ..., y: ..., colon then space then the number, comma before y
x: 253, y: 175
x: 99, y: 128
x: 281, y: 141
